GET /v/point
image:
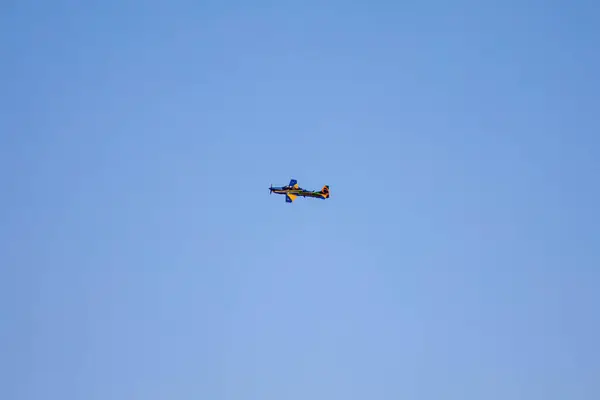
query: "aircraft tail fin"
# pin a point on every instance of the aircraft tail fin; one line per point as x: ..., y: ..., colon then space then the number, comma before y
x: 325, y: 191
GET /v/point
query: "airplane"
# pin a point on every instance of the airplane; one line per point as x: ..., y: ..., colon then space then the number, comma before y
x: 292, y: 191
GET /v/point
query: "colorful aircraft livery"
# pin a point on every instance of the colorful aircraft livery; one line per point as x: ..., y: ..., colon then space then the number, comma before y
x: 292, y: 191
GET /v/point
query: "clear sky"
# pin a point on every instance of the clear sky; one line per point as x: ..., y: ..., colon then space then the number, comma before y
x: 142, y: 257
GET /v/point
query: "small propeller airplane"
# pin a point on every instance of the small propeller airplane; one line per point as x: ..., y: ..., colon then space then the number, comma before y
x: 292, y: 191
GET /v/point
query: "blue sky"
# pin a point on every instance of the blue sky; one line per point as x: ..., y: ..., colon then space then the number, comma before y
x: 141, y: 255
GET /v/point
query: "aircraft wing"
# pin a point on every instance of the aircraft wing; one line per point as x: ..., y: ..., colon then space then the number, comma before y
x: 290, y: 197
